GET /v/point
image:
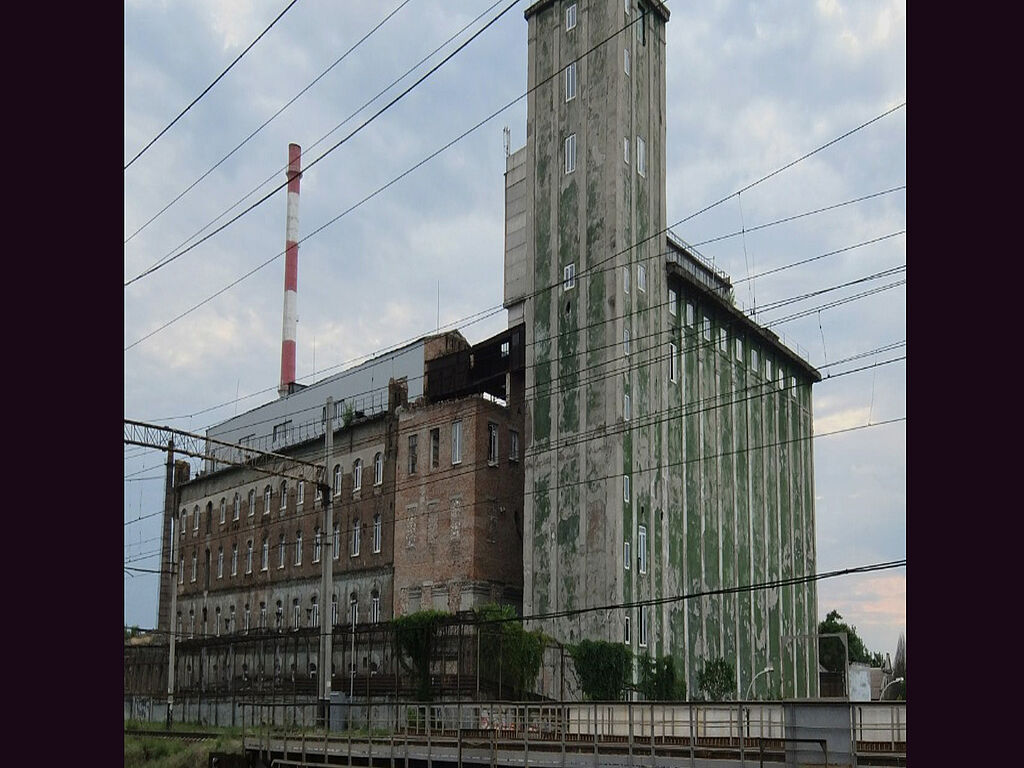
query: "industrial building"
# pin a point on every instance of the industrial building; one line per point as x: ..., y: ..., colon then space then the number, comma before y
x: 632, y: 440
x: 668, y: 435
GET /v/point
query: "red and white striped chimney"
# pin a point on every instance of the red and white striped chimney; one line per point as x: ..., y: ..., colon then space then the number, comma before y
x: 291, y: 272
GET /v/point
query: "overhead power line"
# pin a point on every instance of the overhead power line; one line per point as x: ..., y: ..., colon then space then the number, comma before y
x: 268, y: 121
x: 207, y: 89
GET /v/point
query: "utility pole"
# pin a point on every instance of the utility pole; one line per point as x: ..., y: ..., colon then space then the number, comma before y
x: 170, y: 508
x: 327, y: 571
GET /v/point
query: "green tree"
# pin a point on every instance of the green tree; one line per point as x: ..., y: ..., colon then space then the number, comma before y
x: 603, y: 668
x: 416, y: 635
x: 717, y: 681
x: 507, y: 651
x: 830, y: 649
x: 656, y: 679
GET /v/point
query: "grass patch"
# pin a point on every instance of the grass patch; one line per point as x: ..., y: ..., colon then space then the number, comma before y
x: 156, y: 752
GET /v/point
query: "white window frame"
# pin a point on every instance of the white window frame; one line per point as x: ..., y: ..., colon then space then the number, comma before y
x: 707, y: 328
x: 625, y: 61
x: 334, y: 610
x: 754, y: 362
x: 298, y: 548
x: 248, y: 557
x: 627, y: 7
x: 357, y: 476
x: 237, y: 509
x: 252, y: 502
x: 378, y: 469
x: 282, y: 550
x: 625, y: 488
x: 265, y: 557
x: 569, y: 277
x: 625, y: 280
x: 625, y: 149
x: 570, y: 17
x: 642, y: 635
x: 356, y: 537
x: 375, y: 609
x: 625, y: 555
x: 195, y: 558
x: 513, y: 445
x: 315, y: 611
x: 627, y: 407
x: 738, y: 342
x: 336, y: 542
x: 672, y: 298
x: 673, y: 362
x: 414, y: 457
x: 336, y: 490
x: 492, y: 443
x: 284, y: 496
x: 220, y: 562
x: 195, y: 520
x: 234, y: 559
x: 641, y: 278
x: 641, y: 547
x: 689, y: 313
x: 296, y: 614
x: 723, y: 340
x: 353, y: 611
x: 300, y: 494
x: 223, y: 510
x: 457, y: 442
x: 627, y: 638
x: 378, y: 530
x: 768, y: 370
x: 570, y: 81
x: 641, y: 156
x: 625, y: 341
x: 317, y: 544
x: 570, y: 153
x: 268, y: 493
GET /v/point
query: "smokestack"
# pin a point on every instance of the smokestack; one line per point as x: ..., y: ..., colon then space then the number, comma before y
x: 291, y: 272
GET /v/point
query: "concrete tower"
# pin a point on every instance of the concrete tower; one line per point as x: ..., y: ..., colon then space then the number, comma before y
x: 633, y: 415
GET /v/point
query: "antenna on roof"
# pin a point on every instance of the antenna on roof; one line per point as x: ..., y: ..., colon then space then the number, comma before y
x: 506, y: 137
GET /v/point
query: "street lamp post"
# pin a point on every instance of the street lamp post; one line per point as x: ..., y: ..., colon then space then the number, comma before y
x: 767, y: 670
x: 891, y: 682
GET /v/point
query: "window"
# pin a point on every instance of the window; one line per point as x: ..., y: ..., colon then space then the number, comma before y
x: 689, y: 313
x: 282, y: 548
x: 194, y: 558
x: 298, y: 547
x: 671, y: 302
x: 782, y: 379
x: 625, y: 631
x: 753, y: 360
x: 245, y: 618
x: 376, y: 532
x: 641, y: 278
x: 223, y: 511
x: 191, y: 623
x: 357, y: 476
x: 278, y: 616
x: 641, y: 547
x: 625, y: 60
x: 456, y: 442
x: 336, y: 541
x: 642, y: 615
x: 627, y: 410
x: 739, y: 349
x: 229, y: 622
x: 334, y: 610
x: 374, y: 608
x: 435, y: 448
x: 570, y: 153
x: 315, y: 609
x: 336, y: 488
x: 570, y: 17
x: 220, y: 562
x: 353, y: 609
x: 627, y: 7
x: 513, y: 445
x: 707, y: 328
x: 723, y: 340
x: 625, y: 555
x: 641, y: 156
x: 625, y: 340
x: 252, y: 502
x: 237, y: 508
x: 673, y: 362
x: 317, y: 544
x: 492, y: 443
x: 378, y: 469
x: 625, y: 279
x: 318, y: 493
x: 234, y: 559
x: 284, y: 495
x: 412, y: 453
x: 768, y: 369
x: 248, y: 558
x: 296, y: 614
x: 356, y: 530
x: 570, y: 81
x: 265, y: 559
x: 625, y: 150
x: 195, y: 519
x: 266, y: 500
x: 209, y: 517
x: 281, y: 431
x: 625, y: 488
x: 569, y: 277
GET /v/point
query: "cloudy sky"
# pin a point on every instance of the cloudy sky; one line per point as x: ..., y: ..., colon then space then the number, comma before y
x: 751, y: 87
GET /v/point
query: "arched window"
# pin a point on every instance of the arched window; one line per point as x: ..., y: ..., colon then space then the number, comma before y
x: 284, y: 495
x: 336, y: 488
x: 183, y: 521
x: 357, y: 476
x: 374, y: 607
x: 209, y: 516
x: 220, y: 562
x: 296, y: 615
x: 298, y: 547
x: 266, y: 500
x: 336, y: 541
x: 378, y: 469
x: 195, y: 518
x: 265, y: 559
x: 353, y: 609
x: 355, y: 537
x: 334, y: 613
x: 281, y: 548
x: 376, y: 532
x: 223, y: 510
x: 195, y: 557
x: 316, y: 545
x: 252, y: 502
x: 314, y: 612
x: 238, y: 506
